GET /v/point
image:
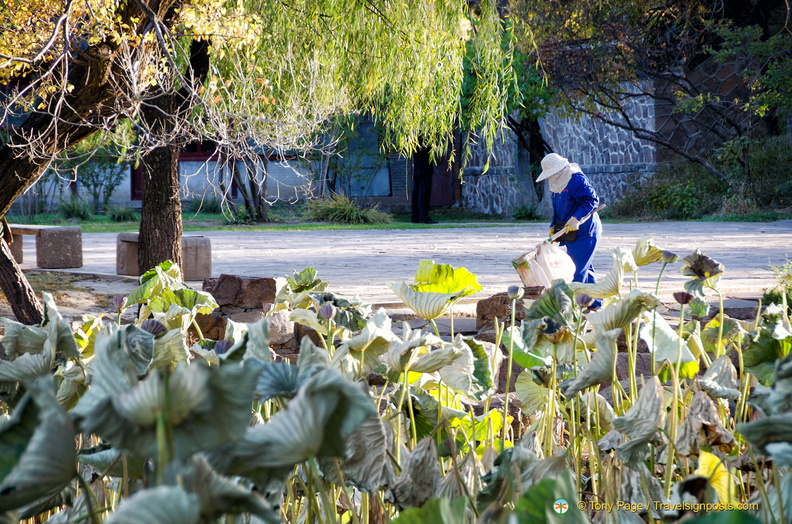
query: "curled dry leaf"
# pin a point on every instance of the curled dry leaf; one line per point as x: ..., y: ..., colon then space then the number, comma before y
x: 702, y: 427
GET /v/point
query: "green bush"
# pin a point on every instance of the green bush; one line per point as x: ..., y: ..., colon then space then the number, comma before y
x: 339, y: 208
x: 76, y: 208
x: 123, y: 214
x: 206, y: 204
x: 526, y: 212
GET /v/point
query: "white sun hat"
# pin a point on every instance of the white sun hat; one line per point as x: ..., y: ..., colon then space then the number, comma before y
x: 552, y: 164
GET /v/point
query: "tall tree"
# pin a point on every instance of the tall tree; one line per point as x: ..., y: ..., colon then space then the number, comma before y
x: 277, y: 73
x: 601, y: 57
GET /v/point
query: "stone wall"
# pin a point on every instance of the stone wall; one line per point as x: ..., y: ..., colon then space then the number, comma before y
x: 611, y: 157
x: 504, y: 187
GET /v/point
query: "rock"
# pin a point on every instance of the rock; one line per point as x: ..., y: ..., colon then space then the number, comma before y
x: 281, y: 329
x: 213, y: 326
x: 497, y: 306
x: 245, y: 292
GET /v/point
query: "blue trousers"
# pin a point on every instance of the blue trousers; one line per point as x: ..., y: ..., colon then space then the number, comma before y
x: 581, y: 252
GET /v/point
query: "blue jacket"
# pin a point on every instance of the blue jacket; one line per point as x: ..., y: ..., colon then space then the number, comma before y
x: 577, y: 199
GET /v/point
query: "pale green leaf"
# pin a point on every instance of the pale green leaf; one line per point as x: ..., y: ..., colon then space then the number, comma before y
x: 427, y: 305
x: 367, y: 463
x: 667, y: 345
x: 420, y: 476
x: 720, y: 380
x: 37, y: 452
x: 601, y: 368
x: 609, y: 285
x: 704, y: 272
x: 159, y: 505
x: 646, y: 252
x: 641, y: 422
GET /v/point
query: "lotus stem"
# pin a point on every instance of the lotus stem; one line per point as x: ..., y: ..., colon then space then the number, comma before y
x: 660, y: 277
x: 720, y: 324
x: 434, y: 325
x: 90, y: 498
x: 413, y: 429
x: 509, y: 364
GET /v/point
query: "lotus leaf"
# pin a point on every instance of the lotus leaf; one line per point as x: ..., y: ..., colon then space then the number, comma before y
x: 420, y: 477
x: 702, y: 427
x: 640, y: 423
x: 470, y: 374
x: 720, y: 380
x: 703, y: 270
x: 367, y: 463
x: 253, y: 343
x: 413, y: 352
x: 646, y: 252
x: 427, y: 305
x: 724, y: 483
x: 316, y: 422
x: 360, y: 355
x: 437, y: 510
x: 610, y: 285
x: 600, y: 369
x: 661, y: 339
x: 37, y: 448
x: 437, y: 287
x: 159, y: 505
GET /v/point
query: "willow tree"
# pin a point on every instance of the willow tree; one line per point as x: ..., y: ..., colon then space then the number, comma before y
x: 276, y: 73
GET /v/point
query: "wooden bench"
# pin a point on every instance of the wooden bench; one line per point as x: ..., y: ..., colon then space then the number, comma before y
x: 196, y: 256
x: 57, y: 247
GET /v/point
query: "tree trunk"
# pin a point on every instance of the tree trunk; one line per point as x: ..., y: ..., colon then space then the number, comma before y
x: 20, y: 295
x: 160, y: 236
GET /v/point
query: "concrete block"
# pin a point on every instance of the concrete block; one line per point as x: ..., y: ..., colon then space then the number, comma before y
x: 16, y: 249
x: 59, y: 247
x: 196, y: 256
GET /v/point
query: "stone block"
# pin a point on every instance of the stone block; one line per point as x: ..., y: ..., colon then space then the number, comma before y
x: 59, y: 247
x: 499, y: 306
x: 196, y: 256
x: 16, y: 249
x: 246, y: 292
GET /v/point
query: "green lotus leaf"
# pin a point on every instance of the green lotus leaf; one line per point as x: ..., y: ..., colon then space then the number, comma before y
x: 27, y: 367
x: 280, y: 379
x: 207, y: 406
x: 111, y: 460
x: 438, y: 510
x: 72, y: 383
x: 471, y: 373
x: 400, y: 354
x: 537, y: 503
x: 220, y: 495
x: 600, y: 369
x: 311, y: 355
x: 556, y: 302
x: 661, y: 339
x: 597, y: 410
x: 771, y: 340
x: 171, y: 348
x: 65, y: 497
x: 523, y: 343
x: 139, y: 345
x: 442, y: 278
x: 360, y: 355
x: 425, y: 304
x: 703, y: 270
x: 646, y: 252
x: 20, y: 339
x: 59, y: 330
x: 641, y: 422
x: 37, y: 448
x: 174, y: 317
x: 166, y: 275
x: 85, y: 335
x: 698, y: 307
x: 620, y: 314
x: 531, y: 395
x: 251, y: 340
x: 720, y: 380
x: 733, y: 333
x: 159, y: 505
x: 316, y: 422
x: 424, y: 360
x: 609, y: 285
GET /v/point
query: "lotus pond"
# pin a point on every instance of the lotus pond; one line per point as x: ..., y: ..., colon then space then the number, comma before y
x: 150, y: 422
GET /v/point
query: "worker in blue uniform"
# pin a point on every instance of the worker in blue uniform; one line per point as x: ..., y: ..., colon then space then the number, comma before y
x: 574, y: 198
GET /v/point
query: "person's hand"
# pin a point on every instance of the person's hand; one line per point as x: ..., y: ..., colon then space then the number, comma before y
x: 550, y: 233
x: 573, y: 224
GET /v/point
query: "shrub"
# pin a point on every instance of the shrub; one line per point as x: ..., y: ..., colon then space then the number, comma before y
x: 526, y: 212
x: 75, y: 208
x: 339, y: 208
x: 123, y: 214
x: 205, y: 204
